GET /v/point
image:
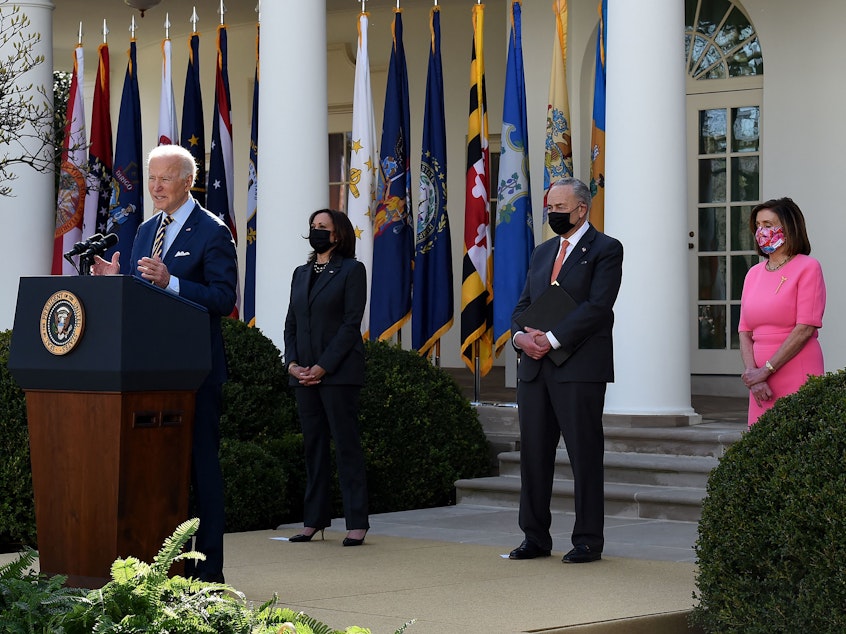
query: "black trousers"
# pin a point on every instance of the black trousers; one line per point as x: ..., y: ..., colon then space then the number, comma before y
x: 549, y: 409
x: 330, y: 412
x: 207, y: 482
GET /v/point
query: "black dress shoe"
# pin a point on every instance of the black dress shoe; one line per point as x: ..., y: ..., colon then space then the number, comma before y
x: 528, y: 550
x: 305, y: 537
x: 581, y: 554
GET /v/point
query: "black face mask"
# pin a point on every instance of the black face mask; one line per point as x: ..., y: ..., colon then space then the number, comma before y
x: 560, y: 223
x: 320, y: 240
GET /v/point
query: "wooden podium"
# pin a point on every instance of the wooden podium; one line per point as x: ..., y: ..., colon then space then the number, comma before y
x: 109, y: 366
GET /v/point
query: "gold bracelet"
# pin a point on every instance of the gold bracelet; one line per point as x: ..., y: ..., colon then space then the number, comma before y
x: 769, y: 367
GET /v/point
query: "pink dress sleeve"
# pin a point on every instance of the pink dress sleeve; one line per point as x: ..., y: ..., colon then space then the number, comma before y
x: 810, y: 299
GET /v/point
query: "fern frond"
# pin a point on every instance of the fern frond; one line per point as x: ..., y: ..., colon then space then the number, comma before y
x: 405, y: 626
x: 125, y: 570
x: 173, y: 545
x: 16, y: 569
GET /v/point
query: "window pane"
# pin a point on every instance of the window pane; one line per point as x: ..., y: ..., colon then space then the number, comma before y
x: 735, y: 322
x: 744, y: 178
x: 711, y: 13
x: 748, y: 60
x: 744, y: 129
x: 712, y: 277
x: 336, y: 196
x: 740, y: 264
x: 712, y: 327
x: 742, y: 239
x: 712, y: 131
x: 734, y: 31
x: 337, y: 158
x: 699, y: 45
x: 712, y: 229
x: 712, y: 180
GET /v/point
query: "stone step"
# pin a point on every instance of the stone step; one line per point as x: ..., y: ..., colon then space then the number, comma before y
x: 631, y: 468
x: 640, y: 501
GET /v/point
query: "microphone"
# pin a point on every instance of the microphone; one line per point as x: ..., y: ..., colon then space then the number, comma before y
x: 81, y: 247
x: 100, y: 246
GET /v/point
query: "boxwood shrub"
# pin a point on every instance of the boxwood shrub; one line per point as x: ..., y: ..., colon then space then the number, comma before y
x: 17, y: 509
x: 772, y: 538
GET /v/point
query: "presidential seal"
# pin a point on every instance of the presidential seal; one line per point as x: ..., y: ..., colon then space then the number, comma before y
x: 62, y: 322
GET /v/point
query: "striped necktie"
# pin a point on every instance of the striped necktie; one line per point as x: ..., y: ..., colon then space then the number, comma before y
x: 158, y: 243
x: 556, y: 268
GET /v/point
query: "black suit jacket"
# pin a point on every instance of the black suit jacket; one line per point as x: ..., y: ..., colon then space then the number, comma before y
x: 591, y: 275
x: 323, y: 326
x: 204, y: 259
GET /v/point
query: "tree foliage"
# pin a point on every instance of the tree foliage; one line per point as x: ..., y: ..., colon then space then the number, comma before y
x: 26, y: 110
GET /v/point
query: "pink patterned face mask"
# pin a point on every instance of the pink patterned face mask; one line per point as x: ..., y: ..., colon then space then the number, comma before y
x: 769, y: 238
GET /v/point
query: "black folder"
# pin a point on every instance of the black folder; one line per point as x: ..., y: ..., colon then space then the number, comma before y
x: 551, y: 307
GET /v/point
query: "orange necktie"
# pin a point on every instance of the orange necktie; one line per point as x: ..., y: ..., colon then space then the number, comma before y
x: 556, y: 268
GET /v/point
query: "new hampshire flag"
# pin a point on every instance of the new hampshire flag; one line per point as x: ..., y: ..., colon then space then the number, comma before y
x: 515, y: 237
x: 432, y: 301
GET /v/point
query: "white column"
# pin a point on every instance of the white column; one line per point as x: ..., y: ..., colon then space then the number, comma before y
x: 293, y: 162
x: 28, y: 216
x: 645, y: 205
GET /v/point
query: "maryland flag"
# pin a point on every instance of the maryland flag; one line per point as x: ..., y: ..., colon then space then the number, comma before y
x: 597, y: 134
x: 477, y: 264
x: 558, y: 153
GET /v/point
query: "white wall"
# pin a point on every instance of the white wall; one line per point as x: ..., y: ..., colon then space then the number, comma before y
x: 804, y: 134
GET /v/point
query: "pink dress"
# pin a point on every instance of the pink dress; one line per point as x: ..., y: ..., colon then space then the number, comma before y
x: 772, y: 303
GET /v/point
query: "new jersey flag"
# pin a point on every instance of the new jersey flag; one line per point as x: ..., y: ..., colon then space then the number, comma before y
x: 432, y: 302
x: 70, y: 204
x: 597, y: 135
x: 477, y: 264
x: 126, y: 209
x: 393, y: 231
x: 558, y: 152
x: 515, y: 238
x: 361, y: 200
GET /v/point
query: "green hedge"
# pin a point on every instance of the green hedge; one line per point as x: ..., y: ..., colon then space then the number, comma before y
x: 17, y: 511
x: 772, y: 538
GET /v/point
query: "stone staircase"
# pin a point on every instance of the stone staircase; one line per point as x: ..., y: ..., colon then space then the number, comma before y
x: 650, y: 472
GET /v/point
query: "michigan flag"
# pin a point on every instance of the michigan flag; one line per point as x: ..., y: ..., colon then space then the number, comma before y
x: 477, y: 264
x: 252, y: 205
x: 70, y: 203
x: 220, y: 192
x: 515, y: 237
x: 99, y: 177
x: 393, y: 232
x: 597, y: 133
x: 558, y: 152
x: 193, y: 136
x: 432, y: 303
x: 361, y: 199
x: 126, y: 209
x: 168, y: 133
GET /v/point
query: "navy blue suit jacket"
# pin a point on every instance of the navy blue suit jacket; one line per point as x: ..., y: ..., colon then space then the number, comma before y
x: 204, y: 259
x: 323, y: 325
x: 591, y: 275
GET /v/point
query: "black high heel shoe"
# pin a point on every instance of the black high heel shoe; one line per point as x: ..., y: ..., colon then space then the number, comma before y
x: 351, y: 541
x: 306, y: 537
